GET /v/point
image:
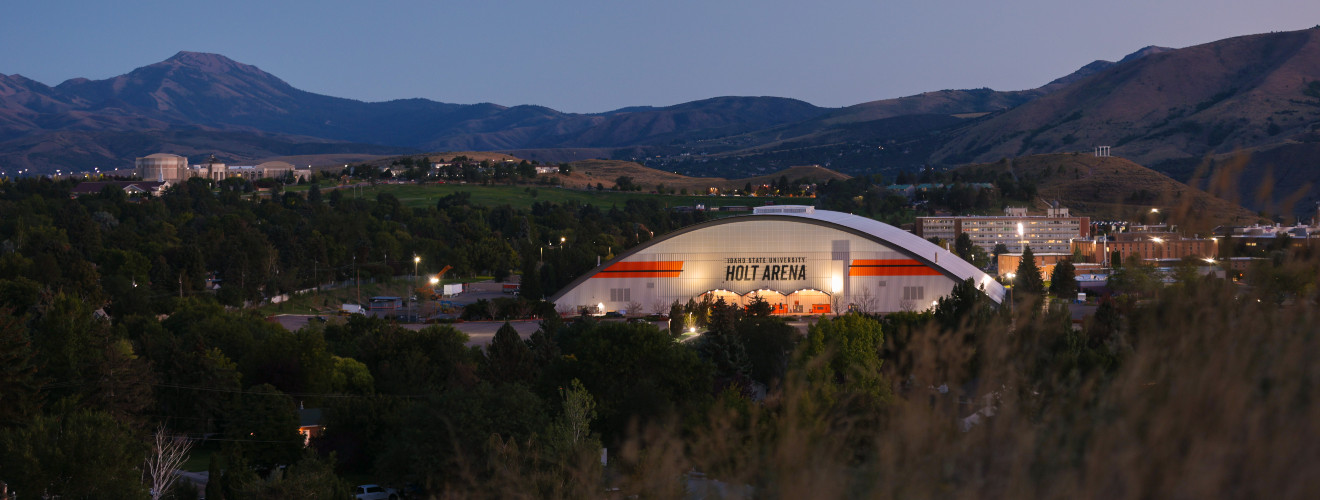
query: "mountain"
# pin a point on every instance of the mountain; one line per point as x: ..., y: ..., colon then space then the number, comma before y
x: 1110, y: 188
x: 208, y: 92
x: 1249, y: 105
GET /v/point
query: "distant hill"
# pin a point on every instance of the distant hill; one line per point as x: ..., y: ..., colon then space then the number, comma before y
x: 1112, y: 188
x: 1242, y: 93
x: 588, y: 173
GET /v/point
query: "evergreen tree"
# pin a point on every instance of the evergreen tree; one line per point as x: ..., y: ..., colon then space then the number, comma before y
x: 962, y: 245
x: 19, y: 387
x: 530, y: 283
x: 1028, y: 280
x: 1063, y: 280
x: 508, y: 359
x: 215, y: 479
x: 677, y: 319
x: 314, y: 193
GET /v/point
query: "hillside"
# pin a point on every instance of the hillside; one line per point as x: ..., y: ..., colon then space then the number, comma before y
x: 1215, y: 98
x: 1116, y: 189
x: 589, y: 173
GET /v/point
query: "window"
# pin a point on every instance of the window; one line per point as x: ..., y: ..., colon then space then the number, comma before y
x: 914, y: 293
x: 620, y: 295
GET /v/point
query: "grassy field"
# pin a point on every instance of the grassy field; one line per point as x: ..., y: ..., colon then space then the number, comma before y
x: 419, y: 196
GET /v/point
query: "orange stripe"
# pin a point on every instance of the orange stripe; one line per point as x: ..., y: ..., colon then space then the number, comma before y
x: 664, y: 265
x: 656, y: 269
x: 886, y: 262
x: 892, y: 271
x: 890, y: 267
x: 638, y: 274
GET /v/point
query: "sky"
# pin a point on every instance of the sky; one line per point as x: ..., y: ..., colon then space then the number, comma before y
x: 590, y: 56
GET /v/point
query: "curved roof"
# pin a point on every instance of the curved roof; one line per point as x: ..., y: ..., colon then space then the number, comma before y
x: 162, y: 155
x: 907, y: 243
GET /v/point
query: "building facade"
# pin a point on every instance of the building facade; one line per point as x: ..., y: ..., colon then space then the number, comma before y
x: 1146, y: 246
x: 798, y: 259
x: 164, y: 167
x: 1050, y: 233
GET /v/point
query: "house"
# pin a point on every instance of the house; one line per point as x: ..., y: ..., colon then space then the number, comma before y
x: 133, y: 189
x: 309, y: 424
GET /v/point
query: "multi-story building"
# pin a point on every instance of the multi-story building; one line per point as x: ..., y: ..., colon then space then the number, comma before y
x: 1050, y: 233
x: 1147, y: 246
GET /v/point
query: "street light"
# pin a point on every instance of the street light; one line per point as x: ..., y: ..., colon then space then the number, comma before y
x: 416, y: 261
x: 1010, y: 277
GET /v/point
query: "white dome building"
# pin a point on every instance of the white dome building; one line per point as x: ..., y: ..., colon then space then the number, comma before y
x: 800, y: 260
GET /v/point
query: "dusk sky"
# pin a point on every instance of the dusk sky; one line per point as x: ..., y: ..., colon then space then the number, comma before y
x: 593, y: 56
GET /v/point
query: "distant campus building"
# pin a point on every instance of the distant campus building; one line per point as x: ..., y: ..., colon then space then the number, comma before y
x: 165, y: 167
x: 1051, y: 233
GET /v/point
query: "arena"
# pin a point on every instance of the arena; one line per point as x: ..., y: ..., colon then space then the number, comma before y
x: 798, y: 259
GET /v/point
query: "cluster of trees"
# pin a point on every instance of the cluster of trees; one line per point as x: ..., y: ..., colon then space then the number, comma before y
x: 106, y: 336
x: 141, y: 255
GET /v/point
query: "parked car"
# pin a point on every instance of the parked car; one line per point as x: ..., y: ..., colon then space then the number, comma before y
x: 375, y: 492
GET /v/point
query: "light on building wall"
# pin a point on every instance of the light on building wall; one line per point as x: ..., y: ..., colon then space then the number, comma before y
x: 836, y: 284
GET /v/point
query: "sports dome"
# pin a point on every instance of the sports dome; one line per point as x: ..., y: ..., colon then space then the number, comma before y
x: 800, y: 260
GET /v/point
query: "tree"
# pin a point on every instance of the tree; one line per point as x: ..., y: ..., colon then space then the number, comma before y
x: 19, y: 386
x: 81, y: 454
x: 1063, y: 280
x: 962, y: 245
x: 677, y: 319
x: 841, y: 360
x: 571, y: 434
x: 264, y: 428
x: 215, y: 479
x: 508, y: 359
x: 1028, y: 280
x: 314, y: 193
x: 767, y: 341
x: 311, y: 477
x: 167, y: 454
x: 635, y: 371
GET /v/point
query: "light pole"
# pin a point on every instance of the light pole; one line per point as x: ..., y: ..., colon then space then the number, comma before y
x: 416, y: 260
x: 1010, y: 277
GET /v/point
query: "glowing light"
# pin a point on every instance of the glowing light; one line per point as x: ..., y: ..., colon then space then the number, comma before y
x: 434, y: 280
x: 836, y: 283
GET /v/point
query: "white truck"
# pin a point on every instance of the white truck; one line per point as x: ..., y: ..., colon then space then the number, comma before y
x: 347, y: 309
